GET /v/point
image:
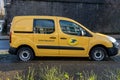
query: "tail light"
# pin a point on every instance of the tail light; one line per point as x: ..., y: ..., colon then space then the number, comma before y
x: 10, y: 37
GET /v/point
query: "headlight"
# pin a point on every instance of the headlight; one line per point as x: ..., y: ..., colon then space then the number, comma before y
x: 114, y: 41
x: 116, y: 44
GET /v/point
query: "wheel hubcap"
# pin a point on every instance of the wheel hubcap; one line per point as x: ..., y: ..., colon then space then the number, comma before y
x: 25, y: 55
x: 99, y: 55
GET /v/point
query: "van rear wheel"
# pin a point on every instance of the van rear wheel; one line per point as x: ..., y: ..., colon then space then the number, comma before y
x: 98, y: 54
x: 25, y: 54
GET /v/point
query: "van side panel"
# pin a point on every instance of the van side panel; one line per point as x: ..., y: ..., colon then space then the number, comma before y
x: 23, y: 25
x: 22, y: 32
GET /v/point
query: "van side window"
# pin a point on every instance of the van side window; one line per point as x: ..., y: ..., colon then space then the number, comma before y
x: 70, y: 28
x: 43, y: 26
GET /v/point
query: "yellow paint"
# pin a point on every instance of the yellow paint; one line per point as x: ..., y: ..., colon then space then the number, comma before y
x: 25, y: 23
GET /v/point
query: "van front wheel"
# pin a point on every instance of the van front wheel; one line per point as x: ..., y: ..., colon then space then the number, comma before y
x: 25, y: 54
x: 98, y: 54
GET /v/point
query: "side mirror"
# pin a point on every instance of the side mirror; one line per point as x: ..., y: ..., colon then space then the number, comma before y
x: 83, y: 33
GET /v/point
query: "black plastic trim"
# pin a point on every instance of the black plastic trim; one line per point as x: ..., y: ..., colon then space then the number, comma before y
x: 12, y: 50
x: 23, y: 31
x: 112, y: 51
x: 59, y: 47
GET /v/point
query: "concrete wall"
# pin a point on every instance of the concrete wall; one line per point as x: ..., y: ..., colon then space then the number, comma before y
x: 97, y: 15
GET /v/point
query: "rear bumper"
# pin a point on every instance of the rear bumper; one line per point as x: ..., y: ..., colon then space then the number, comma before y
x: 12, y: 51
x: 113, y: 51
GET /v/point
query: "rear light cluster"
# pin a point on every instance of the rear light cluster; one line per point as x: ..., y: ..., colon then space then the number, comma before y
x: 10, y: 37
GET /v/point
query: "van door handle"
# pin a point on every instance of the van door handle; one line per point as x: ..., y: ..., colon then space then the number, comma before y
x: 63, y: 38
x: 52, y: 37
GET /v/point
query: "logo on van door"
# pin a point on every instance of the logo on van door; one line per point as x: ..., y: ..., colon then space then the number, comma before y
x: 73, y: 41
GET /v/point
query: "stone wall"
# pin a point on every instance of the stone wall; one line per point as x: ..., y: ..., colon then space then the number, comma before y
x: 97, y: 15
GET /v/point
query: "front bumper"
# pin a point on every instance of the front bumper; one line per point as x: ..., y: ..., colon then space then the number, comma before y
x: 12, y: 51
x: 113, y: 51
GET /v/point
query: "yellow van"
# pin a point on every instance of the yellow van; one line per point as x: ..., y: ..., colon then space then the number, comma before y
x: 32, y: 36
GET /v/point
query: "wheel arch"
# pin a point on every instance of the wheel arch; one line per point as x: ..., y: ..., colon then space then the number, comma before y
x: 24, y: 45
x: 99, y: 45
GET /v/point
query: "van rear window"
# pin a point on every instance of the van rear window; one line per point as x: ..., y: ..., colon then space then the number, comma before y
x: 44, y: 26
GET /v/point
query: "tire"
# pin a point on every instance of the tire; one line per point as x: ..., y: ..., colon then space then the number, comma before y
x: 98, y: 54
x: 25, y: 54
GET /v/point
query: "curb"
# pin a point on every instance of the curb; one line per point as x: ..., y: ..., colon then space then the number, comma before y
x: 4, y: 37
x: 2, y: 51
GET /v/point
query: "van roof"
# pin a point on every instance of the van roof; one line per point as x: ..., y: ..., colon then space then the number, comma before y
x: 39, y: 17
x: 20, y: 23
